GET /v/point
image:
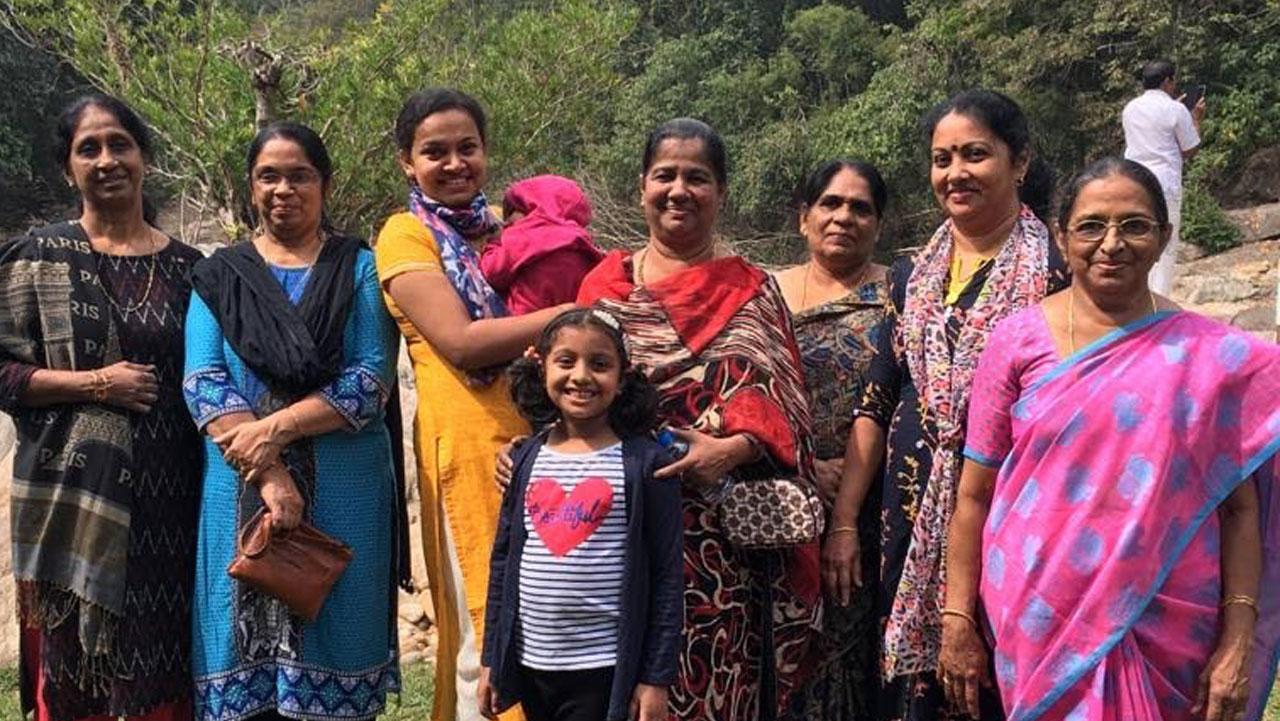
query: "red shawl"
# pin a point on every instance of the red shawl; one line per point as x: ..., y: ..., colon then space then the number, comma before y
x: 729, y: 314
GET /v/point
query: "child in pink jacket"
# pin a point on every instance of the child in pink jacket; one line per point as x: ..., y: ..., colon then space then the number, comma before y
x: 545, y: 250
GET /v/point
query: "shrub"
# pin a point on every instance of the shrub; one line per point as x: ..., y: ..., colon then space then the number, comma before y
x: 1203, y: 220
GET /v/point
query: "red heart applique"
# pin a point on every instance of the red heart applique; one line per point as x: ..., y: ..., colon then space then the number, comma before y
x: 565, y: 520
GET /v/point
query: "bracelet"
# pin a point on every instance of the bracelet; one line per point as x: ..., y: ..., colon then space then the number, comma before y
x: 1242, y: 600
x: 842, y: 529
x: 100, y: 385
x: 961, y: 614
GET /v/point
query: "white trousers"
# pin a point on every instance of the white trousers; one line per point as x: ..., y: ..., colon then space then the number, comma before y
x: 1161, y: 277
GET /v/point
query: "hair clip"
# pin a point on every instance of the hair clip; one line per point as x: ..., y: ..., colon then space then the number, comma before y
x: 607, y: 318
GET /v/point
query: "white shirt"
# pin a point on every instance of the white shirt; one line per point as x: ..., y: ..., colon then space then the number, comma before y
x: 1157, y: 130
x: 571, y: 572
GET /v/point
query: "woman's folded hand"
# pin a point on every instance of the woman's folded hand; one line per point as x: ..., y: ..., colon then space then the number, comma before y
x: 250, y: 448
x: 709, y: 458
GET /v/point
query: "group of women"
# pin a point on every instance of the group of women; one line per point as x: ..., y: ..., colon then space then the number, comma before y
x: 1041, y: 504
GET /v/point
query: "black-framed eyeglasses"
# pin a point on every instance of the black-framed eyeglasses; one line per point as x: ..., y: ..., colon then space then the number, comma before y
x: 1135, y: 228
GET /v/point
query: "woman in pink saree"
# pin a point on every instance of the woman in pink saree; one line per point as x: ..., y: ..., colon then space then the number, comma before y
x: 1115, y: 500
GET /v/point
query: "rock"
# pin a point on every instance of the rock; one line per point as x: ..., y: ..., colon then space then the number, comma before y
x: 410, y: 611
x: 1252, y: 268
x: 8, y: 591
x: 1258, y: 182
x: 6, y: 435
x: 1260, y: 317
x: 1188, y: 251
x: 1258, y: 223
x: 1219, y: 289
x: 411, y: 657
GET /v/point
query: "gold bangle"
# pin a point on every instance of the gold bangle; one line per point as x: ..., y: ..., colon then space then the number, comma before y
x: 100, y: 384
x: 961, y: 614
x: 1241, y: 600
x: 842, y: 529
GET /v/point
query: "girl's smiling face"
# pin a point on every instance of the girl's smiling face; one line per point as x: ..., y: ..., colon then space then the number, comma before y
x: 583, y: 372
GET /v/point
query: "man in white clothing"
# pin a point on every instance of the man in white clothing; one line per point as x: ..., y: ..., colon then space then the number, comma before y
x: 1161, y: 133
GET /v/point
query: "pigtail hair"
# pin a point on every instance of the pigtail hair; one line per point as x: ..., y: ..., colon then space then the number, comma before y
x: 529, y: 392
x: 635, y: 410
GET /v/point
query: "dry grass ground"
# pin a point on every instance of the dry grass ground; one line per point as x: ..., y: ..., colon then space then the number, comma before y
x: 414, y: 703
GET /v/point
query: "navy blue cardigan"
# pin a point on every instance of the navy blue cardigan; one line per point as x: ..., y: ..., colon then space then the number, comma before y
x: 649, y: 630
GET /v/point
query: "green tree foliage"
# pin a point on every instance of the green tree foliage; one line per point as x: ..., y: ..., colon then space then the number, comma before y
x: 574, y: 86
x: 174, y: 61
x: 30, y: 178
x: 546, y: 80
x: 544, y: 76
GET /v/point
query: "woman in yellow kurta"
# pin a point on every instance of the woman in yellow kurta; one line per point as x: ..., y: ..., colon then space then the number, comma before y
x: 458, y: 338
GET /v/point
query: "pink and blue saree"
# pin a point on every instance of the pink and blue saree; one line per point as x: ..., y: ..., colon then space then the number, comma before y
x: 1101, y: 552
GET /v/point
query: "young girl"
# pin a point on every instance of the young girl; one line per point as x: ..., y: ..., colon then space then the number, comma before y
x: 585, y: 600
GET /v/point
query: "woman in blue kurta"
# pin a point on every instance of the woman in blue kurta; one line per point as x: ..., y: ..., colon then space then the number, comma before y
x: 290, y: 359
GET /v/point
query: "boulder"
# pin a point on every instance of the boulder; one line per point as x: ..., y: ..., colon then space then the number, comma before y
x: 1258, y: 182
x: 410, y: 610
x: 1261, y: 317
x: 1219, y: 289
x: 1258, y: 223
x: 1188, y: 251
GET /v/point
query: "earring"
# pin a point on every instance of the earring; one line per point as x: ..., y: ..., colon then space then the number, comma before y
x: 1020, y: 180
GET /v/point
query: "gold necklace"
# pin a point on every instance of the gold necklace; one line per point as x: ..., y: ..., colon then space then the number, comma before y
x: 151, y: 279
x: 321, y: 237
x: 639, y: 262
x: 958, y: 265
x: 643, y: 255
x: 808, y: 271
x: 1071, y: 317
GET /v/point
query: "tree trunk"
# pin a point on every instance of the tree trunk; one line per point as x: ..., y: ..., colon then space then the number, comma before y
x: 265, y: 71
x: 264, y: 112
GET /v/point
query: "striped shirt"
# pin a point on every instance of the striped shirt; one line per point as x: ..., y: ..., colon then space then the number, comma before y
x: 575, y: 513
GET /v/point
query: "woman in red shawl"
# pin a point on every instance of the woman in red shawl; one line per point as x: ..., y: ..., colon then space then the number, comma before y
x: 714, y: 334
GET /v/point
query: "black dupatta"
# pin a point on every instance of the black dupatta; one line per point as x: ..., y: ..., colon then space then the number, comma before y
x: 296, y: 350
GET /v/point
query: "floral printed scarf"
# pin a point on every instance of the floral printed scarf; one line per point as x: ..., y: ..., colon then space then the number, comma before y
x: 944, y: 375
x: 451, y: 228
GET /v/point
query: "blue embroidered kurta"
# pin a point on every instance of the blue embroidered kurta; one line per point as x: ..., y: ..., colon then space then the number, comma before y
x: 342, y: 665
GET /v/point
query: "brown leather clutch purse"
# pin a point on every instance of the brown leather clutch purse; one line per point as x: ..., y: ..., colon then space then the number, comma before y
x: 298, y: 566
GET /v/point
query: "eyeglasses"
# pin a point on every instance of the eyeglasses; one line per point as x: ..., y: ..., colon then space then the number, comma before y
x: 299, y: 177
x: 1136, y: 228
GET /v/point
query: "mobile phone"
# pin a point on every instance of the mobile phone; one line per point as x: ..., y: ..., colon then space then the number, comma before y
x: 1192, y: 96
